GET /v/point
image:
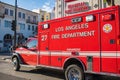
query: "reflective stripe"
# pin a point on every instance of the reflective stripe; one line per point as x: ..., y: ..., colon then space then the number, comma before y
x: 82, y: 53
x: 45, y: 53
x: 26, y: 52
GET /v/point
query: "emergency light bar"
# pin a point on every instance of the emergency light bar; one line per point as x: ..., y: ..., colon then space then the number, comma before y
x: 45, y: 26
x: 75, y: 20
x: 89, y: 18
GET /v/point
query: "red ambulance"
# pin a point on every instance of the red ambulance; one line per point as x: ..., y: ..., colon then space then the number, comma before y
x: 83, y: 43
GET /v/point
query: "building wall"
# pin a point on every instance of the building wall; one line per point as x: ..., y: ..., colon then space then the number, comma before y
x: 53, y: 13
x: 94, y: 4
x: 44, y: 15
x: 117, y: 2
x: 59, y: 8
x: 25, y: 26
x: 47, y: 16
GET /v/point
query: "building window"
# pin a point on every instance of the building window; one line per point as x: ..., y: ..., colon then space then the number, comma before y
x: 104, y: 5
x: 6, y: 11
x: 19, y: 14
x: 29, y: 27
x: 36, y: 28
x: 34, y: 18
x: 59, y: 12
x: 23, y: 16
x: 59, y: 6
x: 22, y: 26
x: 7, y: 40
x: 32, y: 28
x: 29, y: 18
x: 7, y: 23
x: 47, y: 17
x: 8, y: 37
x: 11, y: 12
x: 42, y: 18
x: 32, y: 44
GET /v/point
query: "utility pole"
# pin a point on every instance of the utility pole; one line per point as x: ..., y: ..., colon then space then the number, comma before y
x: 15, y: 24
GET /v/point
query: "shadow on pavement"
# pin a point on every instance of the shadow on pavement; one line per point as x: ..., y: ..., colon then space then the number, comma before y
x: 102, y: 77
x: 9, y: 77
x: 5, y: 54
x: 46, y: 72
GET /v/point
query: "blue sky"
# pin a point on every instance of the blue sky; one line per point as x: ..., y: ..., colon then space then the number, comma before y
x: 46, y: 5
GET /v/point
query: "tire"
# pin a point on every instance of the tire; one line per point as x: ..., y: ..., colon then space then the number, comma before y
x: 74, y: 72
x: 16, y: 65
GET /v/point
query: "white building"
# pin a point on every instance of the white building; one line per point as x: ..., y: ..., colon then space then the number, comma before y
x: 44, y: 15
x: 59, y: 8
x: 70, y: 7
x: 26, y: 24
x: 53, y: 13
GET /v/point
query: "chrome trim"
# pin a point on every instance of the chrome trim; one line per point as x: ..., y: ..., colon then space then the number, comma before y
x: 29, y: 66
x: 41, y: 66
x: 44, y: 66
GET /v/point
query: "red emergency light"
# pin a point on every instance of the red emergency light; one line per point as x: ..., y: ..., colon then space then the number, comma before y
x: 107, y: 17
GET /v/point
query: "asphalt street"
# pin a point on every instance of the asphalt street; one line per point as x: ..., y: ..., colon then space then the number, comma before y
x: 7, y: 73
x: 28, y: 73
x: 9, y: 77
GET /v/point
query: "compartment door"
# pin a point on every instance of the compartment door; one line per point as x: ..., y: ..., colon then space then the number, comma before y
x: 44, y: 56
x: 108, y: 42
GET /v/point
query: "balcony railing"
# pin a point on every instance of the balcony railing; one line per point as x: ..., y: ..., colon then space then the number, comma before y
x: 32, y: 21
x: 2, y: 15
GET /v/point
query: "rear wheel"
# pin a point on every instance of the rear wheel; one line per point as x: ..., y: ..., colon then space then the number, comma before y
x: 16, y: 65
x: 74, y: 72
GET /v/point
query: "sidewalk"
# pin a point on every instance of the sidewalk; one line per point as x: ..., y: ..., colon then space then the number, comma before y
x: 9, y: 77
x: 5, y: 56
